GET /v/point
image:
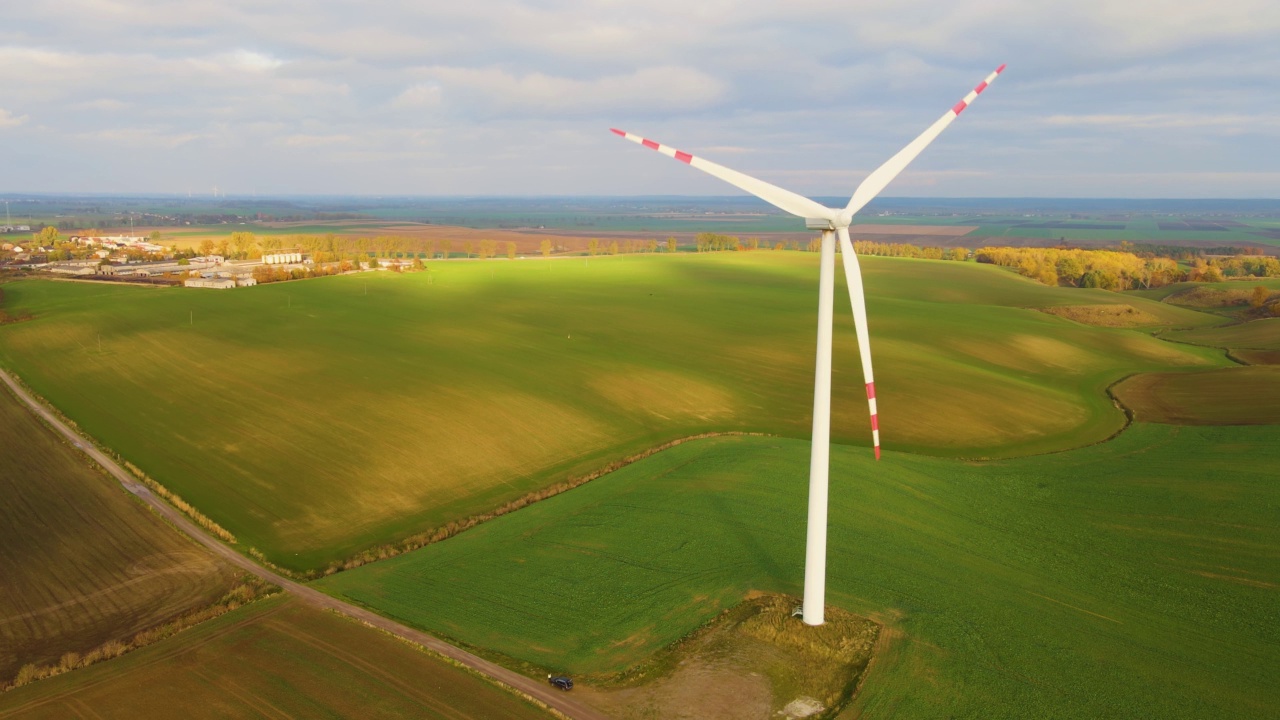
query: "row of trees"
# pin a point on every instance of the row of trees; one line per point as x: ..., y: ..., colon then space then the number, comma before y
x: 275, y: 273
x: 1106, y: 269
x: 1115, y: 270
x: 619, y: 247
x: 866, y: 247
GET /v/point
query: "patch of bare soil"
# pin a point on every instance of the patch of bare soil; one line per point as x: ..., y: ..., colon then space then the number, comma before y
x: 1120, y: 316
x: 752, y: 661
x: 1209, y: 297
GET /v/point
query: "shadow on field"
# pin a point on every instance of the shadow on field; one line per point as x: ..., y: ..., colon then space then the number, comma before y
x: 747, y: 538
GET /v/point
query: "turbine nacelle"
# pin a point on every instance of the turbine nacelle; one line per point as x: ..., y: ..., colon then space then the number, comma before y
x: 834, y: 220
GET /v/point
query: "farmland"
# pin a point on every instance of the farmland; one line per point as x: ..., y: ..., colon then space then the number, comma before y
x: 1134, y: 578
x: 275, y: 658
x: 316, y: 419
x: 1254, y: 335
x: 1229, y: 396
x: 82, y: 564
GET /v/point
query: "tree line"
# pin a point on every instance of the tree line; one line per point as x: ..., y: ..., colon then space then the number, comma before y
x: 1118, y: 270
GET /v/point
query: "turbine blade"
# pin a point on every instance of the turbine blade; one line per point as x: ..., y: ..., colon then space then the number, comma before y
x: 885, y: 174
x: 798, y: 205
x: 853, y: 278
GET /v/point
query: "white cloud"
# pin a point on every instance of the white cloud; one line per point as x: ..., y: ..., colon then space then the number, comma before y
x: 418, y: 96
x: 308, y: 141
x: 1230, y: 123
x: 8, y: 119
x: 138, y: 137
x: 497, y: 91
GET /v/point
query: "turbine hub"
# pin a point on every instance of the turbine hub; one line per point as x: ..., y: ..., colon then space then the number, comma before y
x: 819, y: 224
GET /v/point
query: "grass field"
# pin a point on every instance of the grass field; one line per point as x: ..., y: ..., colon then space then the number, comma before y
x: 1165, y: 291
x: 314, y: 419
x: 1134, y: 578
x: 1254, y: 335
x: 1229, y: 396
x: 80, y: 562
x: 274, y: 659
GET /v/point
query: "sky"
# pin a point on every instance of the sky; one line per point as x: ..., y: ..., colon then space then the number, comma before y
x: 1101, y: 98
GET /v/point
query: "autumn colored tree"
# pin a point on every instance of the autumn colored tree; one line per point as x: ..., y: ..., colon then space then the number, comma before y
x: 1259, y: 296
x: 671, y: 245
x: 511, y: 250
x: 446, y: 247
x: 470, y: 247
x: 488, y: 248
x: 1070, y: 268
x: 613, y: 248
x: 47, y: 236
x: 244, y: 243
x: 593, y: 246
x: 206, y: 247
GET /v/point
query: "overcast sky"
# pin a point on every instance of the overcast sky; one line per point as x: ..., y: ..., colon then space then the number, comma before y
x: 1102, y: 98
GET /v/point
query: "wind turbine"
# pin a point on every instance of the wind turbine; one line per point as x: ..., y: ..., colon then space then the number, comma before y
x: 832, y: 222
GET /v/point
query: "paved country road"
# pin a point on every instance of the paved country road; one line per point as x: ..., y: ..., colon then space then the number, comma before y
x: 544, y: 693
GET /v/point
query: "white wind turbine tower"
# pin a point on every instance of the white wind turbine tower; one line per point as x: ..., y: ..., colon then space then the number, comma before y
x: 832, y: 222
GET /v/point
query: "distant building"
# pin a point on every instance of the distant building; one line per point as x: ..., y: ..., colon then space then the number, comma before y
x: 72, y: 269
x: 282, y: 258
x: 216, y: 283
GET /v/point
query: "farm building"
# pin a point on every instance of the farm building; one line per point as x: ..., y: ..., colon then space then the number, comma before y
x: 216, y: 283
x: 282, y: 258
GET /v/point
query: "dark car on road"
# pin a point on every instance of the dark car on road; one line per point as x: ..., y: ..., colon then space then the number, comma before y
x: 560, y: 681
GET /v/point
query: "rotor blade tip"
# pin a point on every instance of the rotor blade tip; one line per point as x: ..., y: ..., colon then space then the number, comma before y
x: 877, y: 452
x: 616, y: 131
x: 1000, y: 69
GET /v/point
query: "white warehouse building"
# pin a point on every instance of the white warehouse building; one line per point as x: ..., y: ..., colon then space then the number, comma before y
x: 282, y: 258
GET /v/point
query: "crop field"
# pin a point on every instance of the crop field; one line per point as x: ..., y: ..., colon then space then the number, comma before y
x: 275, y: 658
x: 1253, y: 335
x: 80, y: 562
x: 316, y: 418
x: 1229, y: 396
x: 1133, y: 578
x: 1167, y: 292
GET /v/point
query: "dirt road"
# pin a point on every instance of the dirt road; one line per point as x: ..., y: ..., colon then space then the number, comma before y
x: 535, y: 688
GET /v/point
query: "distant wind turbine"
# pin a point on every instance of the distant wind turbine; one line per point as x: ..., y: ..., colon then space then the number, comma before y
x: 832, y: 222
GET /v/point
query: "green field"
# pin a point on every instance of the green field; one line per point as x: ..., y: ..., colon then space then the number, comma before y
x: 1166, y: 291
x: 1228, y: 396
x: 314, y: 419
x: 81, y: 563
x: 1134, y: 578
x: 275, y: 658
x: 1254, y: 335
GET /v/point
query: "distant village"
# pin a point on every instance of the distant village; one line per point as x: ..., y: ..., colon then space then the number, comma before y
x: 131, y: 258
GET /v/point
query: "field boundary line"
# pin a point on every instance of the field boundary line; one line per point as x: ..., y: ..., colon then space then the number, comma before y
x: 435, y: 535
x: 61, y: 424
x: 501, y: 676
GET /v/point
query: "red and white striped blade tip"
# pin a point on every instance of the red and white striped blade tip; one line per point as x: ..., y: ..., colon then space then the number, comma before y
x: 973, y: 94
